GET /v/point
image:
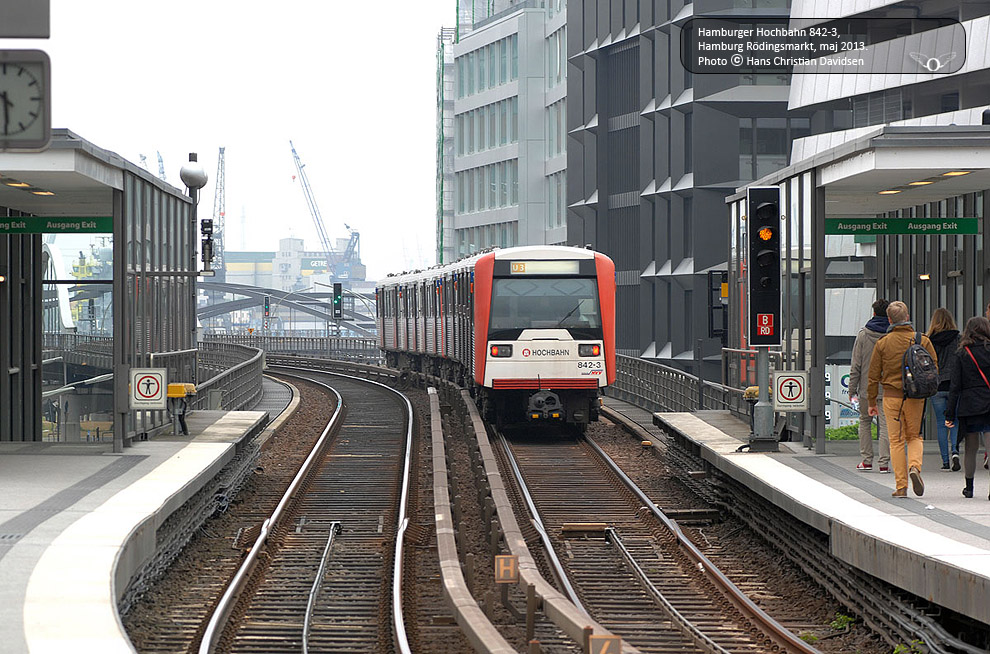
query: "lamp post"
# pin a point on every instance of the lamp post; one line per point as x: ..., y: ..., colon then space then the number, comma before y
x: 194, y: 177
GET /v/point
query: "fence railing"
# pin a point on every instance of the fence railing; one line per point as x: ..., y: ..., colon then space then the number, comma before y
x: 335, y: 347
x: 233, y: 376
x: 656, y: 387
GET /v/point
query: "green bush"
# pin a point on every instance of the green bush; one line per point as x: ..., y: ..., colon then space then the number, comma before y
x: 847, y: 433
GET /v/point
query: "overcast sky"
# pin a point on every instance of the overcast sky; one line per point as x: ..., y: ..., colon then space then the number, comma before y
x: 352, y: 84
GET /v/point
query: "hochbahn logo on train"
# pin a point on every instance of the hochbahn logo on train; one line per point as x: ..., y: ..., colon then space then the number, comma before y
x: 546, y: 352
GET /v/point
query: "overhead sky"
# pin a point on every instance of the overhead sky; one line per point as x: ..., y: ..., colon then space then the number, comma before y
x: 352, y: 84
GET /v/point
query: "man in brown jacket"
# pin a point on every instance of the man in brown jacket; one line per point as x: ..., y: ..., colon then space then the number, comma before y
x: 903, y: 414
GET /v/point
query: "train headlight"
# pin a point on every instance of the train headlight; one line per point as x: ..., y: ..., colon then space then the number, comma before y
x: 589, y: 350
x: 501, y: 351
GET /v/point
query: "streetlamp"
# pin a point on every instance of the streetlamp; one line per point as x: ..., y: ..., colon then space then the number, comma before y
x: 194, y: 177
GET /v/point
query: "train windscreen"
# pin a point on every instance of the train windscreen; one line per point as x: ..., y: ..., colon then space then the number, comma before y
x: 545, y: 303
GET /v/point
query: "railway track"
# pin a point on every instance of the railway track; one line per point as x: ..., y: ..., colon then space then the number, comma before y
x: 356, y: 479
x: 627, y: 566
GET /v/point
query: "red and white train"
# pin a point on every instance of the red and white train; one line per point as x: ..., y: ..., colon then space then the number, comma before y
x: 531, y: 330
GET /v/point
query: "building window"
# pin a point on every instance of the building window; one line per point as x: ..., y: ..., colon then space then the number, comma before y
x: 513, y: 119
x: 688, y: 143
x: 482, y: 77
x: 514, y: 49
x: 470, y: 74
x: 514, y: 182
x: 503, y: 76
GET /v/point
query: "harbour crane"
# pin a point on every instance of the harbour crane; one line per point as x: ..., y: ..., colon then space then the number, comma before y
x: 219, y: 214
x: 314, y: 211
x: 161, y: 167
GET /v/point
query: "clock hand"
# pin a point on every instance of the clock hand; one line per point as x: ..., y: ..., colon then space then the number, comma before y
x: 7, y: 104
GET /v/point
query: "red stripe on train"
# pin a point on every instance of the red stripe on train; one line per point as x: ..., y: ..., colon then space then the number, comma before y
x: 507, y: 384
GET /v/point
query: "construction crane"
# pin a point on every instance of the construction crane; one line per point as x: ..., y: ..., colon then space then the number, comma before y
x: 161, y: 167
x: 314, y: 210
x: 219, y: 212
x: 353, y: 245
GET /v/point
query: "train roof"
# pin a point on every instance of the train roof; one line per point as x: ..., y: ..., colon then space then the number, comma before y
x: 539, y: 252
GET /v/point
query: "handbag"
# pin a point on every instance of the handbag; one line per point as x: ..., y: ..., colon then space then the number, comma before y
x: 978, y: 369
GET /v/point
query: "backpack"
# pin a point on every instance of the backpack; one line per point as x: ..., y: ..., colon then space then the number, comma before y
x: 919, y: 374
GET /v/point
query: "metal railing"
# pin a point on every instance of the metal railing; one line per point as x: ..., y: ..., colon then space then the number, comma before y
x: 335, y: 347
x: 233, y: 371
x: 656, y: 387
x: 70, y: 342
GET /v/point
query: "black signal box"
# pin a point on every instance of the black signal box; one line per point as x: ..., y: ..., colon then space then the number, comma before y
x: 763, y: 226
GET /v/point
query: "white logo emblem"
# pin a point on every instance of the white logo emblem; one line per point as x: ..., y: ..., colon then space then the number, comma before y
x: 933, y: 64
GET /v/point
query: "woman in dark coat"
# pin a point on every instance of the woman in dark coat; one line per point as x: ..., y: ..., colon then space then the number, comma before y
x: 945, y: 337
x: 969, y: 393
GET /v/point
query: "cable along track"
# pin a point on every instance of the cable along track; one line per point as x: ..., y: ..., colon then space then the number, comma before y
x: 357, y: 479
x: 627, y: 564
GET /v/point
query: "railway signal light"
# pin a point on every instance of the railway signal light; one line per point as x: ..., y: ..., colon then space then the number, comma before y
x: 338, y: 305
x: 764, y: 265
x: 268, y: 305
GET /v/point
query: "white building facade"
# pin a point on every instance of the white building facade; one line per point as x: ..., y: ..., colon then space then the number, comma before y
x: 509, y: 133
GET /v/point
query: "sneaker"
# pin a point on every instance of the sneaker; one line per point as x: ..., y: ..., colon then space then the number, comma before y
x: 945, y: 466
x: 916, y: 482
x: 863, y: 466
x: 900, y: 492
x: 967, y: 492
x: 985, y: 464
x: 884, y: 469
x: 955, y: 462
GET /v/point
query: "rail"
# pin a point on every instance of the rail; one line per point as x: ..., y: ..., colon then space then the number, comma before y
x: 344, y: 348
x: 782, y: 637
x: 215, y: 627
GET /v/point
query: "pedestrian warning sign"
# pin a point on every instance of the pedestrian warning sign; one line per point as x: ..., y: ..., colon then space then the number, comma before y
x: 148, y: 387
x: 790, y: 390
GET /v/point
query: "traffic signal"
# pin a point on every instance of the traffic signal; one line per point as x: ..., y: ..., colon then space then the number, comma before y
x: 338, y: 305
x: 268, y: 305
x: 764, y: 264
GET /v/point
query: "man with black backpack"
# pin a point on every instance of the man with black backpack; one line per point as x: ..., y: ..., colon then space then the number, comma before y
x: 904, y: 362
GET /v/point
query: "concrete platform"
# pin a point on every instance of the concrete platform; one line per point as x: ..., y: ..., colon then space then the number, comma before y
x: 936, y: 546
x: 77, y: 522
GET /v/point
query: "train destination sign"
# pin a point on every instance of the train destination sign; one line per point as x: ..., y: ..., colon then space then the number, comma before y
x: 860, y: 226
x: 57, y: 225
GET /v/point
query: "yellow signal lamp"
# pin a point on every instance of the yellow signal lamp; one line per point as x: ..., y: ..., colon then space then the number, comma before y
x: 765, y: 233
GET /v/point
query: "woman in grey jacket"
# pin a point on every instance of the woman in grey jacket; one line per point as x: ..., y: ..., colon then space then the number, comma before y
x: 866, y: 340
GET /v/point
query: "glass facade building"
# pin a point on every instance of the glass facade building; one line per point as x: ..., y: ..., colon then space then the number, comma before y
x: 506, y: 131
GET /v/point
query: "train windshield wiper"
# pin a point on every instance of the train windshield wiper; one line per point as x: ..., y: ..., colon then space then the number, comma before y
x: 569, y: 313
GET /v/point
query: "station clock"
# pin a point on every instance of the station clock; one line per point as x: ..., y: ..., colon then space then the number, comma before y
x: 25, y: 100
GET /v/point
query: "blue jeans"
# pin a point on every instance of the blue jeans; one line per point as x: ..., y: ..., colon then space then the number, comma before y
x: 948, y: 439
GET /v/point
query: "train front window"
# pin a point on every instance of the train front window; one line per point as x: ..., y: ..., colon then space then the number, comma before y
x: 546, y: 303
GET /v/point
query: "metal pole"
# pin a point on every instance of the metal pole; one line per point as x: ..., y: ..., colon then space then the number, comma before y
x: 121, y: 370
x: 699, y: 359
x: 763, y: 437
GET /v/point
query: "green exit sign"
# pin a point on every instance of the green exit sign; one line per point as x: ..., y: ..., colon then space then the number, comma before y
x: 867, y: 226
x: 60, y: 225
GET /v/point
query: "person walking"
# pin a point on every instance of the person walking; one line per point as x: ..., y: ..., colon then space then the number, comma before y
x: 945, y: 337
x: 969, y: 393
x: 903, y: 414
x: 862, y: 350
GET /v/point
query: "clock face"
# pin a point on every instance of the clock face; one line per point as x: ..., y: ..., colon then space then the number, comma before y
x: 21, y: 97
x: 25, y: 103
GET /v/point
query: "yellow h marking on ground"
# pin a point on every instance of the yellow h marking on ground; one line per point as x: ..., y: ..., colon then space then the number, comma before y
x: 506, y: 569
